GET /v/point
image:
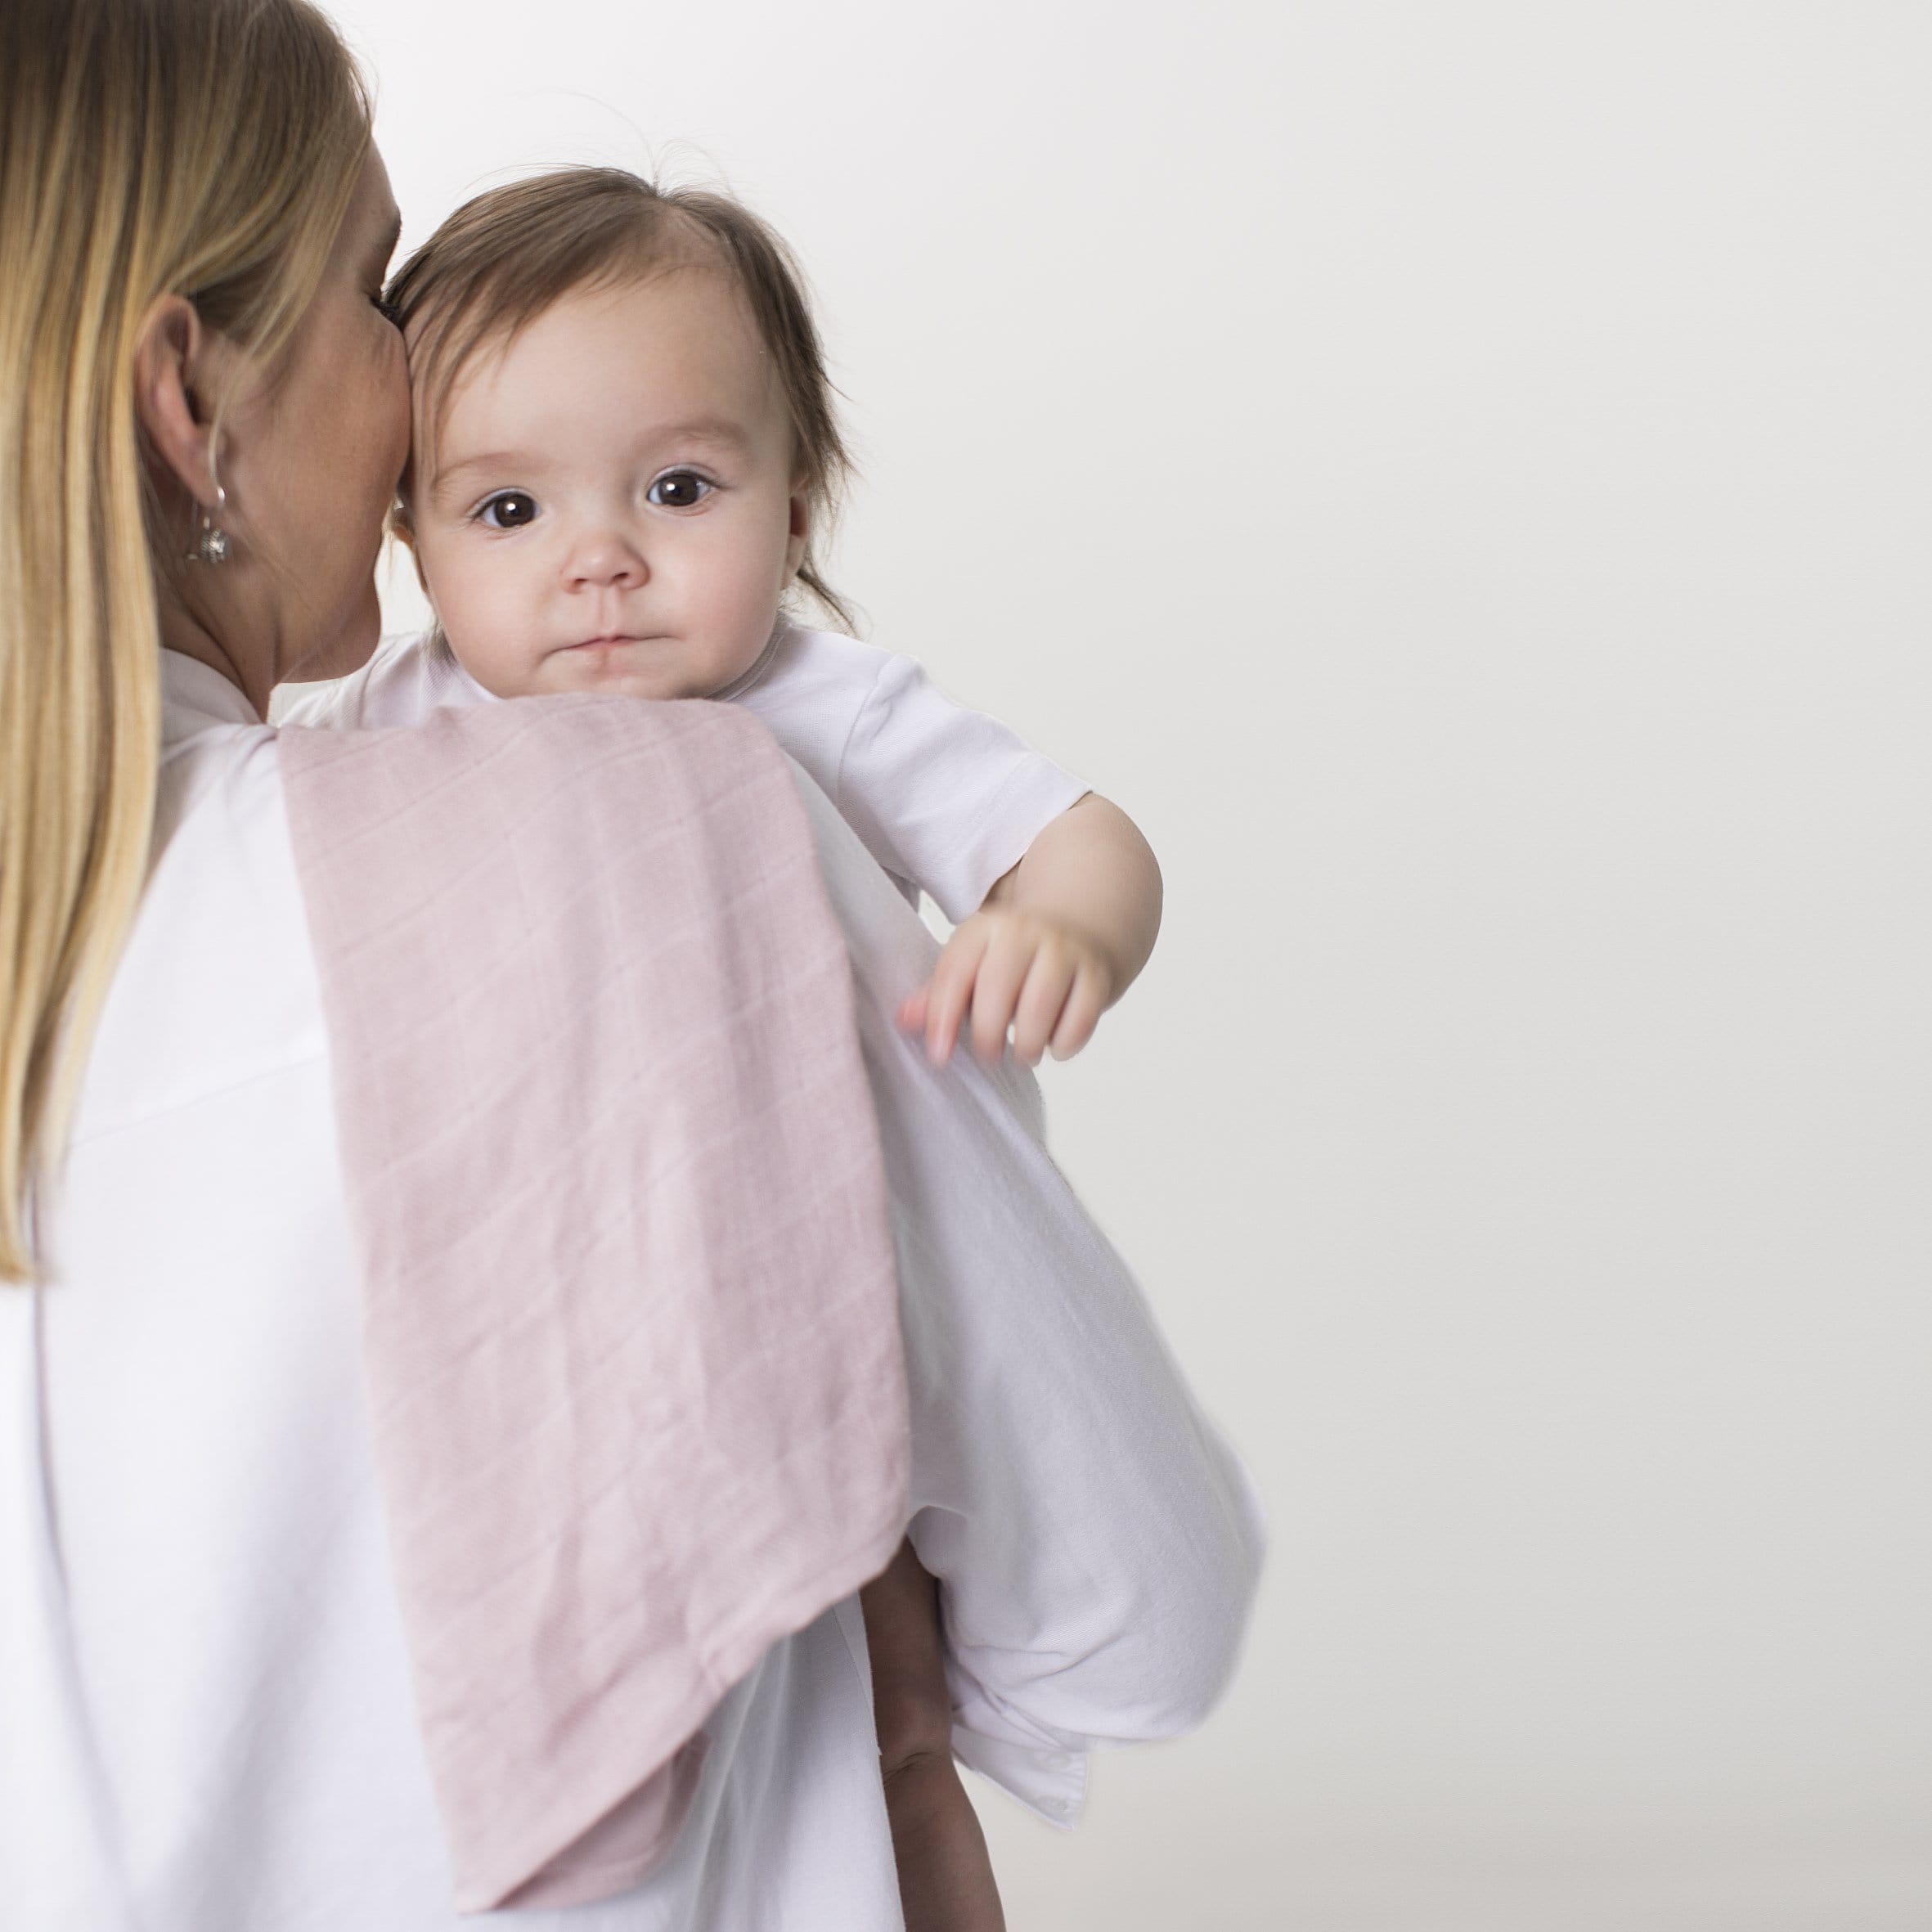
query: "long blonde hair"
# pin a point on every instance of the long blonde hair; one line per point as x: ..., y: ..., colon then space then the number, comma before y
x: 202, y: 148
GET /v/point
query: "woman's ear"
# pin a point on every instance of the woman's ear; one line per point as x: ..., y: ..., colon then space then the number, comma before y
x: 169, y: 355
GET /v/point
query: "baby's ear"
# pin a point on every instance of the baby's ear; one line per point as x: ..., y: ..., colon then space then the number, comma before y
x: 403, y: 528
x: 798, y: 536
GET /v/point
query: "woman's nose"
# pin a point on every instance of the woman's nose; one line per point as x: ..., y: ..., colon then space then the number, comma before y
x: 605, y: 559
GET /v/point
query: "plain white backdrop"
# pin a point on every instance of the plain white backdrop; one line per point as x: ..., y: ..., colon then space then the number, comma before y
x: 1461, y: 474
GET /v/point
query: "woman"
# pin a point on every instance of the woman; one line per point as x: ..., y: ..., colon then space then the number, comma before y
x: 208, y: 1702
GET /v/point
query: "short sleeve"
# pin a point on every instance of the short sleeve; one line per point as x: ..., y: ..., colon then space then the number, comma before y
x: 944, y: 795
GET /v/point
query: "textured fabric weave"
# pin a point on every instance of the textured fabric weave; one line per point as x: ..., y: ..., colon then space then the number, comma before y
x: 632, y: 1329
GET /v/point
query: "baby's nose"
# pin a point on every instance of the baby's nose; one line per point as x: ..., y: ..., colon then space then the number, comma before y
x: 604, y: 557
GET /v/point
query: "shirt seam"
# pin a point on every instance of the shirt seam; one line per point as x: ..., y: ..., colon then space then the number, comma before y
x: 852, y: 730
x: 97, y: 1136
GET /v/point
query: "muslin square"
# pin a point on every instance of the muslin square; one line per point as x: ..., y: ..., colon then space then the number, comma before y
x: 630, y: 1325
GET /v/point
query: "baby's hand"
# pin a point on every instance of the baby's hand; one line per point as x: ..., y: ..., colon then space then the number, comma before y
x: 1007, y: 967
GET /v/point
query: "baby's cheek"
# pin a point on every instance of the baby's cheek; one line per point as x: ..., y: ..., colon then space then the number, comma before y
x: 502, y: 660
x: 470, y: 607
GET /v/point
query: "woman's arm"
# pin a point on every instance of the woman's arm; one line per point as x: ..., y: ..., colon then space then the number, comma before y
x: 946, y: 1877
x: 1097, y: 1545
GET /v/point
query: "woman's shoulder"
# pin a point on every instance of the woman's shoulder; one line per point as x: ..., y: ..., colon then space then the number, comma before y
x: 489, y: 774
x: 411, y: 675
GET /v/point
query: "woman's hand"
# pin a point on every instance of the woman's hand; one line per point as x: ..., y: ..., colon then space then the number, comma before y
x: 1017, y: 969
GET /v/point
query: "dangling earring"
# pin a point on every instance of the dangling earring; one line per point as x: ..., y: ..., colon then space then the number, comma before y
x: 214, y: 545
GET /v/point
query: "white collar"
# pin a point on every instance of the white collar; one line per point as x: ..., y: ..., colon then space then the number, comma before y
x: 754, y: 672
x: 195, y: 695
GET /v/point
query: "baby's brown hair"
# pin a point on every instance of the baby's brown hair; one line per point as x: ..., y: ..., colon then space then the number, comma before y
x: 509, y: 255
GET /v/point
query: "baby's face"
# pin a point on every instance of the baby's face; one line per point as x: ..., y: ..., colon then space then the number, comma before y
x: 613, y: 506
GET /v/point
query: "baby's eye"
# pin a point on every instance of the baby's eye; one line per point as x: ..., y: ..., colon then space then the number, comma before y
x: 679, y: 489
x: 508, y: 509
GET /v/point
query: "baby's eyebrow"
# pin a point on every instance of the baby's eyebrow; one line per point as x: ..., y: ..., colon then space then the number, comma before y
x: 704, y: 429
x: 506, y: 460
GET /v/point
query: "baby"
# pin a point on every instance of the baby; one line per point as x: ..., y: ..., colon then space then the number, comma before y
x: 625, y: 448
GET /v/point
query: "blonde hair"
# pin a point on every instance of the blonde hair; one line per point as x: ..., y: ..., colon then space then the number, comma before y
x: 508, y: 255
x: 202, y: 148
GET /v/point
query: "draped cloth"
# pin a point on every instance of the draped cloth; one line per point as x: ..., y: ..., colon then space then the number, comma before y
x: 631, y: 1324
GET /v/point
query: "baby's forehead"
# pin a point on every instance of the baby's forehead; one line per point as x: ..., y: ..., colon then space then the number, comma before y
x: 695, y: 295
x: 672, y: 348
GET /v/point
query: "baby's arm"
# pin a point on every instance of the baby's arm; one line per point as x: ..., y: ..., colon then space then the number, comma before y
x: 1058, y: 939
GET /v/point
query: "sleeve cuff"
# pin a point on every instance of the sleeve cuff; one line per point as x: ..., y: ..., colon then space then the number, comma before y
x: 1051, y: 1784
x: 1036, y: 794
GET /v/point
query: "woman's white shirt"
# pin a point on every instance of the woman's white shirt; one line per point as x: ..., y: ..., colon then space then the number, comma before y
x: 209, y: 1723
x: 205, y: 1713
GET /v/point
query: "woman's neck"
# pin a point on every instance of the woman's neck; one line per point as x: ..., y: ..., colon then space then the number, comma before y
x: 181, y: 631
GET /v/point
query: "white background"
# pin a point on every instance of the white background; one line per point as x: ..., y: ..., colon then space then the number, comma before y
x: 1461, y: 474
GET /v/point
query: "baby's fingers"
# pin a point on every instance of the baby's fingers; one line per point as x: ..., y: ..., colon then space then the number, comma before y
x: 1049, y: 982
x: 949, y: 992
x: 997, y: 992
x: 1081, y: 1013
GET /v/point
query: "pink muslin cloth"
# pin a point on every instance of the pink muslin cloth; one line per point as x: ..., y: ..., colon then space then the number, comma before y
x: 631, y: 1327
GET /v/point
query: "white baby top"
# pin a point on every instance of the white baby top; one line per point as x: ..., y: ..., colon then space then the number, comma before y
x: 946, y: 798
x: 206, y: 1717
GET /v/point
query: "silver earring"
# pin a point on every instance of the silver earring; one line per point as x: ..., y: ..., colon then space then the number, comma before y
x: 214, y: 545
